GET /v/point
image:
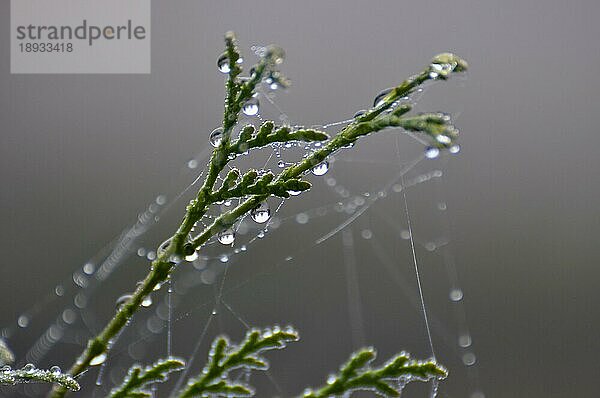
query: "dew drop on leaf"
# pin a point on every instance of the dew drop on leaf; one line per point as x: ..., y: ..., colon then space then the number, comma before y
x: 29, y: 368
x: 98, y: 360
x: 443, y: 139
x: 454, y: 149
x: 223, y: 63
x: 191, y: 257
x: 379, y: 98
x: 261, y: 213
x: 321, y: 168
x: 216, y: 136
x: 250, y: 108
x: 359, y: 113
x: 121, y: 301
x: 147, y: 301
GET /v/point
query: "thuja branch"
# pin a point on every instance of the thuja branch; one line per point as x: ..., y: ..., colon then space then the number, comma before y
x: 225, y: 357
x: 138, y: 379
x: 218, y: 379
x: 30, y: 374
x: 386, y: 380
x: 253, y: 187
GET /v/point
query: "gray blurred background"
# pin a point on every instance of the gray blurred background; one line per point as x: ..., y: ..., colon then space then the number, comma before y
x: 82, y: 155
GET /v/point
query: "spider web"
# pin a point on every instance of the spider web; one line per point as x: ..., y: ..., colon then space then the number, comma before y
x: 365, y: 227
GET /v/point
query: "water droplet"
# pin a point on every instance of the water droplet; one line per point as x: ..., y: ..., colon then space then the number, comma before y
x: 161, y: 200
x: 192, y: 164
x: 89, y: 268
x: 214, y: 312
x: 456, y: 294
x: 223, y: 63
x: 331, y: 379
x: 366, y: 234
x: 216, y: 136
x: 443, y: 139
x: 56, y: 370
x: 281, y: 164
x: 379, y: 98
x: 29, y: 368
x: 432, y: 152
x: 469, y: 359
x: 224, y: 258
x: 191, y: 257
x: 267, y: 333
x: 80, y: 300
x: 250, y: 108
x: 226, y: 237
x: 464, y: 340
x: 151, y: 255
x: 294, y: 193
x: 98, y: 360
x: 23, y: 321
x: 261, y: 234
x: 69, y: 316
x: 454, y: 149
x: 121, y: 301
x: 147, y: 301
x: 359, y: 113
x: 321, y: 168
x: 442, y: 69
x: 261, y: 213
x: 289, y: 330
x: 302, y: 218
